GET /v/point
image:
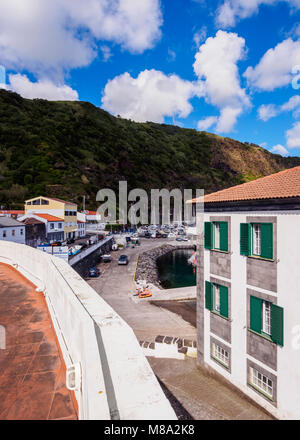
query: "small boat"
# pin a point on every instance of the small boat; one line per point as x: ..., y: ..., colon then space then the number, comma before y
x: 145, y: 294
x: 193, y: 259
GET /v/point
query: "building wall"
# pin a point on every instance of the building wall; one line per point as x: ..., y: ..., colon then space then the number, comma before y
x: 35, y: 234
x: 57, y: 209
x: 277, y: 281
x: 19, y: 236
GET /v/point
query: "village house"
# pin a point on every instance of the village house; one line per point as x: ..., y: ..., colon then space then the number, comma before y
x: 248, y: 290
x: 12, y: 230
x: 65, y: 211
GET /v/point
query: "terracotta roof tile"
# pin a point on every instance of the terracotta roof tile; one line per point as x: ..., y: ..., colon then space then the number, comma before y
x: 282, y: 185
x: 49, y: 217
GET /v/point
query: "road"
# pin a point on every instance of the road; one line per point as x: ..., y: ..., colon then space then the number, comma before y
x: 115, y: 285
x: 192, y: 393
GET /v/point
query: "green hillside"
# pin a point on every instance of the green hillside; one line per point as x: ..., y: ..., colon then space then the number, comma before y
x: 71, y: 149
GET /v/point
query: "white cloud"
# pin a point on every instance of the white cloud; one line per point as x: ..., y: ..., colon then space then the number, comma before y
x: 200, y: 36
x: 150, y: 97
x: 206, y: 123
x: 216, y: 68
x: 232, y: 11
x: 41, y: 36
x: 275, y: 67
x: 43, y: 89
x: 171, y: 55
x: 267, y: 111
x: 292, y: 103
x: 293, y: 136
x: 228, y: 119
x: 106, y: 52
x: 280, y: 149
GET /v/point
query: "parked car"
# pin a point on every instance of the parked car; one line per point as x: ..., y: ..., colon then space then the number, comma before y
x: 164, y: 235
x: 185, y: 238
x: 106, y: 258
x: 179, y: 239
x: 94, y: 272
x: 147, y: 235
x: 123, y: 260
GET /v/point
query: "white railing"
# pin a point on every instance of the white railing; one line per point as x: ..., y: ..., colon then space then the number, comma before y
x: 117, y: 381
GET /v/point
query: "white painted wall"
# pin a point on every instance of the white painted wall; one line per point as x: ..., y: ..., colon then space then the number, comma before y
x: 75, y: 309
x: 18, y: 237
x: 288, y: 297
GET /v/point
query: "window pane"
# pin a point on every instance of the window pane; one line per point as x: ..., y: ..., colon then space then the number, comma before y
x: 216, y: 298
x: 266, y: 317
x: 256, y: 239
x: 261, y: 382
x: 217, y: 235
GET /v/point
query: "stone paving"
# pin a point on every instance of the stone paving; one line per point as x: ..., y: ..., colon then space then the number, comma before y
x: 198, y: 395
x: 202, y: 396
x: 32, y: 370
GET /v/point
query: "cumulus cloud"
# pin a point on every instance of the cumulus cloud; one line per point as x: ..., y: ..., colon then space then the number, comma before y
x: 206, y: 123
x: 61, y: 34
x: 217, y: 71
x: 268, y: 111
x: 150, y: 97
x: 293, y: 136
x: 231, y: 11
x: 228, y: 119
x: 275, y: 69
x: 280, y: 149
x: 44, y: 89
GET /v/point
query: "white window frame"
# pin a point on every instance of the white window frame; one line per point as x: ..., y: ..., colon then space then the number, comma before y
x: 256, y: 238
x: 220, y: 354
x: 261, y: 382
x: 267, y: 317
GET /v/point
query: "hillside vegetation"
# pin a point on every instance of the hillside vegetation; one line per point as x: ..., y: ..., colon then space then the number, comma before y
x: 71, y: 149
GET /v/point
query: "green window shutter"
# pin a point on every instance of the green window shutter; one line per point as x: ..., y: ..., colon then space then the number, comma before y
x: 208, y: 295
x: 255, y: 314
x: 245, y: 248
x: 224, y: 236
x: 277, y: 324
x: 208, y: 236
x: 266, y: 240
x: 224, y: 301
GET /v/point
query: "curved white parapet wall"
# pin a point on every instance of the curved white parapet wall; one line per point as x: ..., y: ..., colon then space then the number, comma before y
x: 117, y: 380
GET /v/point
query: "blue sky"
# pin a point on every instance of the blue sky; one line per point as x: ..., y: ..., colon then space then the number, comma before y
x: 216, y: 65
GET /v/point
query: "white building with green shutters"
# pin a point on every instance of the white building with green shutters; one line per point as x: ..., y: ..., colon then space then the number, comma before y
x: 248, y: 290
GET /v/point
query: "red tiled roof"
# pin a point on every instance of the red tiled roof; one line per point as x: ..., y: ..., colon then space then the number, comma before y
x: 32, y: 221
x: 49, y: 218
x: 282, y: 185
x: 90, y: 212
x: 12, y: 212
x: 78, y: 221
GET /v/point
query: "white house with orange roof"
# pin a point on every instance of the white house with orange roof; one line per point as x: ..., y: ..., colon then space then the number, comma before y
x: 66, y: 211
x: 54, y: 225
x: 248, y: 290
